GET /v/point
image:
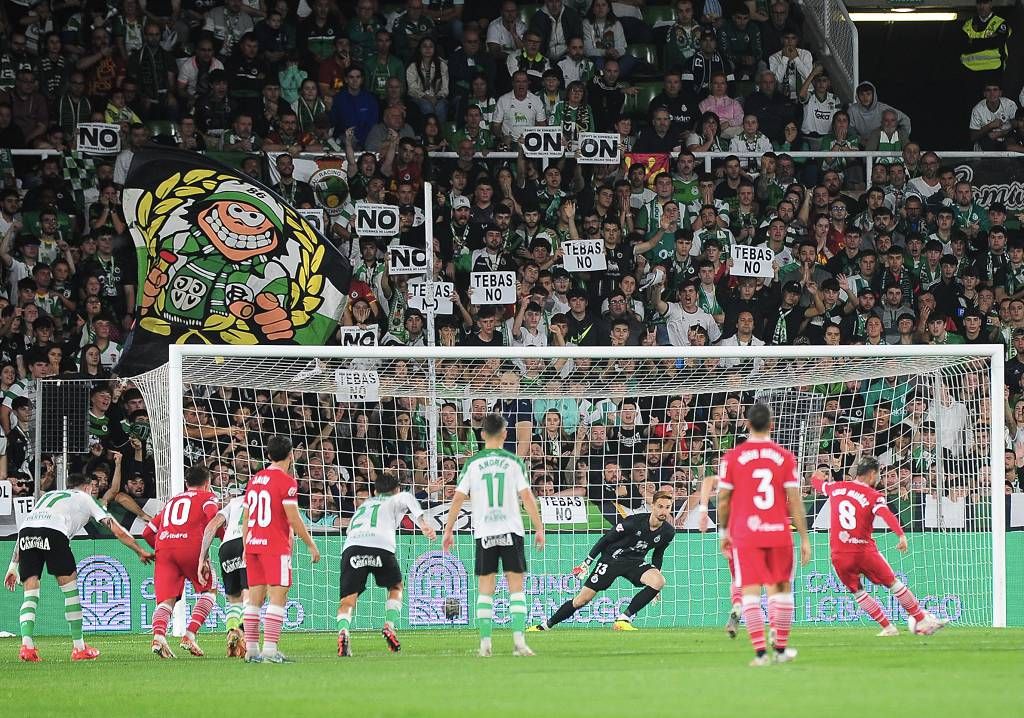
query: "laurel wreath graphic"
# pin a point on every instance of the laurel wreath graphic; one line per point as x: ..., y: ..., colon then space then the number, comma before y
x: 304, y: 298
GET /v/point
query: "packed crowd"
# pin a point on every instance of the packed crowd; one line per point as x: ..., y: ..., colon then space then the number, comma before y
x: 900, y: 254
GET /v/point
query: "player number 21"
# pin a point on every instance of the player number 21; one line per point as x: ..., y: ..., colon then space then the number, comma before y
x: 765, y: 497
x: 258, y: 503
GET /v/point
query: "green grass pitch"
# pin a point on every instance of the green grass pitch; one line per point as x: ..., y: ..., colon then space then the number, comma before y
x: 657, y: 672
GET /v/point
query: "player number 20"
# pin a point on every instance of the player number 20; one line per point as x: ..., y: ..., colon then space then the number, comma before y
x: 765, y: 496
x: 259, y: 508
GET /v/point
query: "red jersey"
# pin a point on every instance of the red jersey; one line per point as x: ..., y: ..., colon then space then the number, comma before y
x: 852, y: 510
x: 180, y: 525
x: 268, y: 530
x: 758, y: 472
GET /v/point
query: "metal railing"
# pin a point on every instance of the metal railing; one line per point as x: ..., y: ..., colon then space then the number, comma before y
x: 839, y: 40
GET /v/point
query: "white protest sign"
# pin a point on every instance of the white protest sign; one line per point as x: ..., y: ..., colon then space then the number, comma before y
x: 597, y: 148
x: 406, y: 260
x: 23, y: 506
x: 6, y: 498
x: 542, y: 142
x: 584, y: 255
x: 356, y: 385
x: 563, y: 509
x: 99, y: 138
x: 315, y: 217
x: 440, y: 303
x: 750, y: 261
x: 356, y: 337
x: 492, y: 287
x: 376, y: 220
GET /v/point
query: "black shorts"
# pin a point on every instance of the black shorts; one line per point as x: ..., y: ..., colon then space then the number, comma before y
x: 360, y: 562
x: 232, y: 566
x: 508, y: 548
x: 605, y: 572
x: 38, y: 547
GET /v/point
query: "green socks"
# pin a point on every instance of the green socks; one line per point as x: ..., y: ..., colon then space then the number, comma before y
x: 485, y: 615
x: 73, y: 612
x: 29, y: 605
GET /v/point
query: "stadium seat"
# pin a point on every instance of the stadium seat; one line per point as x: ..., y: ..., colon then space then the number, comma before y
x: 659, y: 13
x: 636, y: 31
x: 161, y: 128
x: 636, y: 107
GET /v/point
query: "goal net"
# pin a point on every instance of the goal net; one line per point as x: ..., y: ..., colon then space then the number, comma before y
x: 601, y: 430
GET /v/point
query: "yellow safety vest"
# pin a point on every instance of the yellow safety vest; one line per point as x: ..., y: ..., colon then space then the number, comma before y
x: 991, y: 59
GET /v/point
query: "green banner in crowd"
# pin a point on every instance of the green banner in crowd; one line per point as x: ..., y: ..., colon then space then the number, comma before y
x: 117, y: 590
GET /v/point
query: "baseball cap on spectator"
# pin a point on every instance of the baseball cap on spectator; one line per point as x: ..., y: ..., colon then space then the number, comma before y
x: 559, y: 273
x: 707, y: 33
x: 866, y: 290
x: 413, y: 312
x: 1018, y: 333
x: 460, y: 202
x: 791, y: 287
x: 492, y: 228
x: 905, y: 314
x: 406, y: 209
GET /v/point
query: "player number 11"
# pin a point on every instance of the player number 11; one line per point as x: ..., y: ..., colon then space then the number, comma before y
x: 493, y: 495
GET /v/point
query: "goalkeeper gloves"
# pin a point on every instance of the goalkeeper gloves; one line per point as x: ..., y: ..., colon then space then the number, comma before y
x: 583, y: 567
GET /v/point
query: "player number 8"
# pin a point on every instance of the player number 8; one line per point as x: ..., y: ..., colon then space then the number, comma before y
x: 847, y: 515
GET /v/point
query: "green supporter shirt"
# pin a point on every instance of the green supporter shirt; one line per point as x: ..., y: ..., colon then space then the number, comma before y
x: 378, y: 73
x: 484, y: 140
x: 685, y: 193
x: 363, y: 37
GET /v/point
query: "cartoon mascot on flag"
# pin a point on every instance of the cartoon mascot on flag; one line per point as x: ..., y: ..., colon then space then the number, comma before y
x: 223, y: 260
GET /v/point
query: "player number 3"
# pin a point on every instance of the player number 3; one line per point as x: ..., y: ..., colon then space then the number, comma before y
x: 765, y: 497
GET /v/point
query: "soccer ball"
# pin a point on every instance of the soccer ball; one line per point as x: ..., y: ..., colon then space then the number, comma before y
x: 452, y: 608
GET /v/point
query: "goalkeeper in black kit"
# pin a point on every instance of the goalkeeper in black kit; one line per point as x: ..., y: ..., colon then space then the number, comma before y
x: 623, y: 551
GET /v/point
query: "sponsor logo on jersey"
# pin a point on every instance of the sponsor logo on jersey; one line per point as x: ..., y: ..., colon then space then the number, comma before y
x: 845, y: 537
x: 168, y: 536
x: 365, y: 561
x: 38, y: 543
x: 755, y: 524
x: 254, y: 541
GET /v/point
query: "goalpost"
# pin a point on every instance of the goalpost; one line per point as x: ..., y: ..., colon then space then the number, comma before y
x: 601, y: 429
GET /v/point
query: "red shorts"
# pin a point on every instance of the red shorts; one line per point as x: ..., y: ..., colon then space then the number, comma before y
x: 759, y: 566
x: 171, y: 569
x: 268, y: 569
x: 851, y: 566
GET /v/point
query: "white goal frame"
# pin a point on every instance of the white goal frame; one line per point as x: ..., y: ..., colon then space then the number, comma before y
x: 991, y: 352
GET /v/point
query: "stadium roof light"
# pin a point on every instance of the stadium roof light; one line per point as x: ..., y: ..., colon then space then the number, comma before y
x: 902, y: 15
